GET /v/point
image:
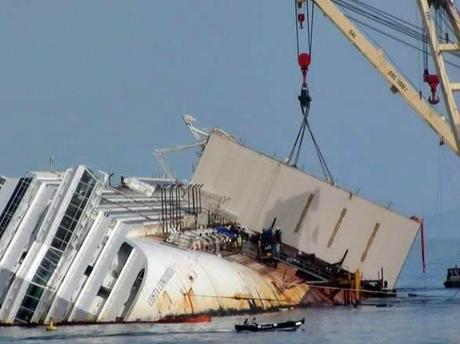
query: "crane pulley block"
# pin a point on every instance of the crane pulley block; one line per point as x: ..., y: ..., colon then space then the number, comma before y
x: 304, y: 100
x: 437, y: 4
x: 301, y: 19
x: 304, y: 60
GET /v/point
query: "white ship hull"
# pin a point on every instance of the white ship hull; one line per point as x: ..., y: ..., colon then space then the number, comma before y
x: 74, y: 249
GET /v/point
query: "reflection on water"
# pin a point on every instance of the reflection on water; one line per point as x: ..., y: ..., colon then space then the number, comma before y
x: 430, y: 317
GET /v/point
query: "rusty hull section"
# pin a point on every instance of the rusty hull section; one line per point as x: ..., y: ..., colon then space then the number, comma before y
x: 181, y: 282
x: 188, y: 282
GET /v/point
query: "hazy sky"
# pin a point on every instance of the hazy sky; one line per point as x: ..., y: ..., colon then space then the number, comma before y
x: 104, y: 82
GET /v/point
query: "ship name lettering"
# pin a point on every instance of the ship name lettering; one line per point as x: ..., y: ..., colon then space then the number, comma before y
x: 352, y: 33
x: 156, y: 292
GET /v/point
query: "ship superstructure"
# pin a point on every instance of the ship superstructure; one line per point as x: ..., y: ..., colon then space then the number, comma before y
x: 74, y: 248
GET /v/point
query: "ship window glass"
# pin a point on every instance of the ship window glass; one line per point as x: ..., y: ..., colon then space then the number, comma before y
x: 67, y: 237
x: 24, y: 315
x: 86, y: 177
x: 53, y: 255
x: 47, y: 265
x: 29, y: 303
x: 40, y: 280
x: 66, y: 221
x: 13, y: 203
x: 75, y: 209
x: 60, y: 233
x: 61, y: 240
x: 88, y: 270
x: 103, y: 292
x: 23, y: 256
x: 43, y: 274
x: 75, y: 202
x: 34, y: 291
x: 70, y: 223
x: 58, y: 244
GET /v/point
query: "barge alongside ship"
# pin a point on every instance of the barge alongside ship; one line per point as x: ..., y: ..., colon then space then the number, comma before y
x: 73, y: 248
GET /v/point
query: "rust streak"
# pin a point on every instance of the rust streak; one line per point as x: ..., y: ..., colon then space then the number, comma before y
x: 304, y: 213
x: 370, y: 241
x: 337, y: 227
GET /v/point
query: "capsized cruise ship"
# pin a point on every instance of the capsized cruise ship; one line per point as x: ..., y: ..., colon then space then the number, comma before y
x: 74, y: 248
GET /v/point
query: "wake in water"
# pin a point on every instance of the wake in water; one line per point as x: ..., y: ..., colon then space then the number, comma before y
x: 70, y: 336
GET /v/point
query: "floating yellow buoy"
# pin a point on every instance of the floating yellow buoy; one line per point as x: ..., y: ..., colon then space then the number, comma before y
x: 51, y: 326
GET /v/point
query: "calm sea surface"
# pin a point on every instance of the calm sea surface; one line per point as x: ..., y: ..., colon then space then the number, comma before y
x: 433, y: 316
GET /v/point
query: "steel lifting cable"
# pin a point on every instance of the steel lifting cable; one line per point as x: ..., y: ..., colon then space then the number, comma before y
x: 403, y: 27
x: 322, y: 161
x: 399, y: 25
x: 400, y: 40
x: 311, y: 25
x: 385, y: 14
x: 381, y: 17
x: 305, y: 10
x: 388, y: 20
x: 304, y: 62
x: 326, y: 171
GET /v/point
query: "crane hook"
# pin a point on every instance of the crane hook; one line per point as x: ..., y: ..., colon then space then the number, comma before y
x: 433, y: 81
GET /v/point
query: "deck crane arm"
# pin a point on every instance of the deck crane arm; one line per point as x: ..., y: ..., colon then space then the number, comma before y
x: 398, y: 83
x: 201, y: 136
x: 160, y: 155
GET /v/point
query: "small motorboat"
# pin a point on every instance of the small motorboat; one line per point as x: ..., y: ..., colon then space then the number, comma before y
x: 281, y: 326
x: 453, y: 278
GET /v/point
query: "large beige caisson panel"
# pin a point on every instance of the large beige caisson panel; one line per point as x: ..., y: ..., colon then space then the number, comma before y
x: 315, y: 216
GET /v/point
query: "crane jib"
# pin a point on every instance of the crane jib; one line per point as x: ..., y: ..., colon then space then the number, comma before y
x: 448, y: 131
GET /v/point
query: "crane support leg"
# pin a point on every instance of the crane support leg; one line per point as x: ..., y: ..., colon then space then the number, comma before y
x: 438, y: 52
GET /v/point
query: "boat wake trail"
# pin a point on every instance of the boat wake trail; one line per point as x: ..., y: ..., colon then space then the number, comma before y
x: 68, y: 336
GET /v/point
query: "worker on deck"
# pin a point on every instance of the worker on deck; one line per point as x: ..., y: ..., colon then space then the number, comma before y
x: 239, y: 243
x: 259, y: 247
x: 216, y: 246
x: 277, y: 242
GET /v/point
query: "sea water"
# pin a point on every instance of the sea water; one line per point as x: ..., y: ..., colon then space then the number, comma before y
x: 430, y: 315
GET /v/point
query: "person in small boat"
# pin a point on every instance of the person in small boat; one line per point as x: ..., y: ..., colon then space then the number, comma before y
x: 245, y: 321
x: 254, y: 320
